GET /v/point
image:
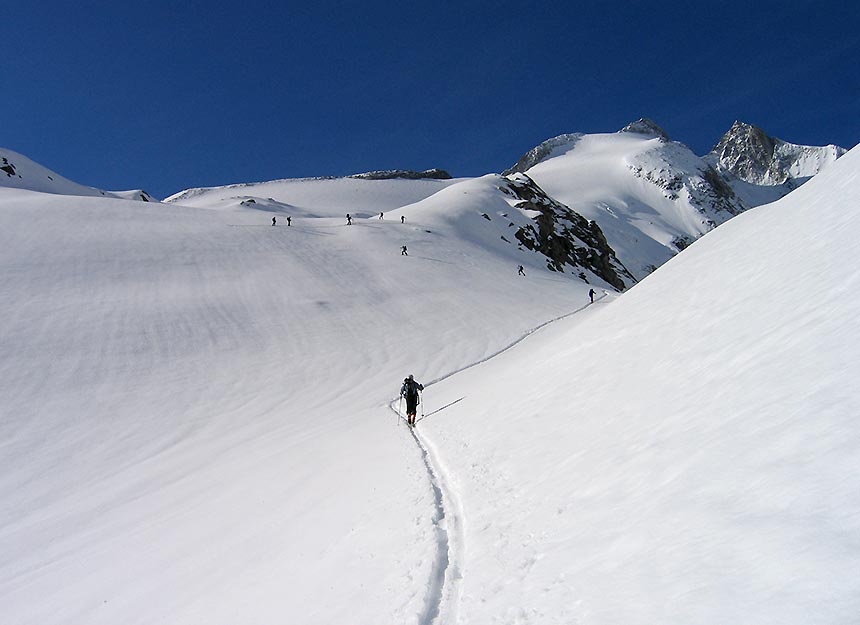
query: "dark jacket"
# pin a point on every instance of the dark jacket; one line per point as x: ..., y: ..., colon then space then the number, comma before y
x: 410, y: 388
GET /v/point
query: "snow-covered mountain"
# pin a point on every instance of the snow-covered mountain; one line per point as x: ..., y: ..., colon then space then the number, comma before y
x: 652, y: 196
x: 516, y: 211
x: 647, y: 196
x: 198, y: 410
x: 19, y: 172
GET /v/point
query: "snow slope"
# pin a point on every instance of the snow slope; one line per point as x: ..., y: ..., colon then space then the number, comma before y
x: 19, y: 172
x: 316, y: 197
x: 687, y: 453
x: 194, y: 404
x: 197, y: 420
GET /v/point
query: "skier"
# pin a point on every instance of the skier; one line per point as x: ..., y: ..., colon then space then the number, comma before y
x: 591, y: 295
x: 274, y: 221
x: 380, y: 215
x: 409, y: 390
x: 403, y: 250
x: 403, y: 219
x: 348, y: 219
x: 522, y: 271
x: 289, y: 219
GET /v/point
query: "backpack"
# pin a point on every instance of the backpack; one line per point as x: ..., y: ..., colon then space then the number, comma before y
x: 410, y: 388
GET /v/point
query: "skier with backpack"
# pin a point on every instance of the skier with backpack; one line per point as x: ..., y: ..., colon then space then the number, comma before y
x: 409, y: 391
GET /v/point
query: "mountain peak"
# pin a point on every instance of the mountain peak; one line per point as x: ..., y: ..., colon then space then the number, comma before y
x: 645, y: 126
x: 752, y: 155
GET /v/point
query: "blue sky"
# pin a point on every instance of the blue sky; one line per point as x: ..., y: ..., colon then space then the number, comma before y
x: 169, y: 95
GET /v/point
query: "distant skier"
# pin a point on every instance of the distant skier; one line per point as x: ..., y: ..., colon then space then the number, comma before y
x: 380, y: 215
x: 289, y: 219
x: 274, y: 221
x: 522, y: 271
x: 348, y: 219
x: 591, y: 295
x: 403, y: 219
x: 403, y: 251
x: 409, y: 391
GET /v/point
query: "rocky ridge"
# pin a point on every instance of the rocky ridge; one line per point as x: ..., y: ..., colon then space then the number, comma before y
x: 566, y: 238
x: 404, y: 174
x: 750, y: 154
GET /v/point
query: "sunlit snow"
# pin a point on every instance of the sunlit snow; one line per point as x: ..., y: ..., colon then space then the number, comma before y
x: 198, y: 414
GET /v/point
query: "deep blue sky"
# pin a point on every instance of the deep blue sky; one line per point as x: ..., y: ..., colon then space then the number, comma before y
x: 166, y: 95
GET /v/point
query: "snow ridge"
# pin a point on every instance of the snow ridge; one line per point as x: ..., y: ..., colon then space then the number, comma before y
x: 19, y: 172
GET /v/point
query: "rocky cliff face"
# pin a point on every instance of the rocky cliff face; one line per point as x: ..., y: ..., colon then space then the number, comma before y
x: 645, y: 126
x: 752, y: 155
x: 404, y: 174
x: 566, y: 238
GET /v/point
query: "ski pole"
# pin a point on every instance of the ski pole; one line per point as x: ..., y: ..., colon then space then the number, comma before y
x: 421, y: 394
x: 400, y: 410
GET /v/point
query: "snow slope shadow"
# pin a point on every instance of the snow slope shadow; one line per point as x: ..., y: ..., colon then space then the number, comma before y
x: 430, y: 414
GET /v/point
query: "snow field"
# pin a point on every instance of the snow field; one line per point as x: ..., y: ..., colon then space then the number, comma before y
x: 193, y: 407
x: 194, y: 423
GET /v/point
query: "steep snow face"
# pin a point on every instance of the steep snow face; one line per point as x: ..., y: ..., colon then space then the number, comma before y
x: 757, y: 158
x: 651, y: 197
x: 685, y: 453
x: 19, y: 172
x: 317, y: 197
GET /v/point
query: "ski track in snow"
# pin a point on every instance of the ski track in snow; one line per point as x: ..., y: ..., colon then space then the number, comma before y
x: 525, y: 335
x: 443, y: 588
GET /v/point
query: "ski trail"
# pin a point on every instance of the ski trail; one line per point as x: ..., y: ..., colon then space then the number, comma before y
x: 443, y: 590
x: 442, y: 595
x: 524, y: 336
